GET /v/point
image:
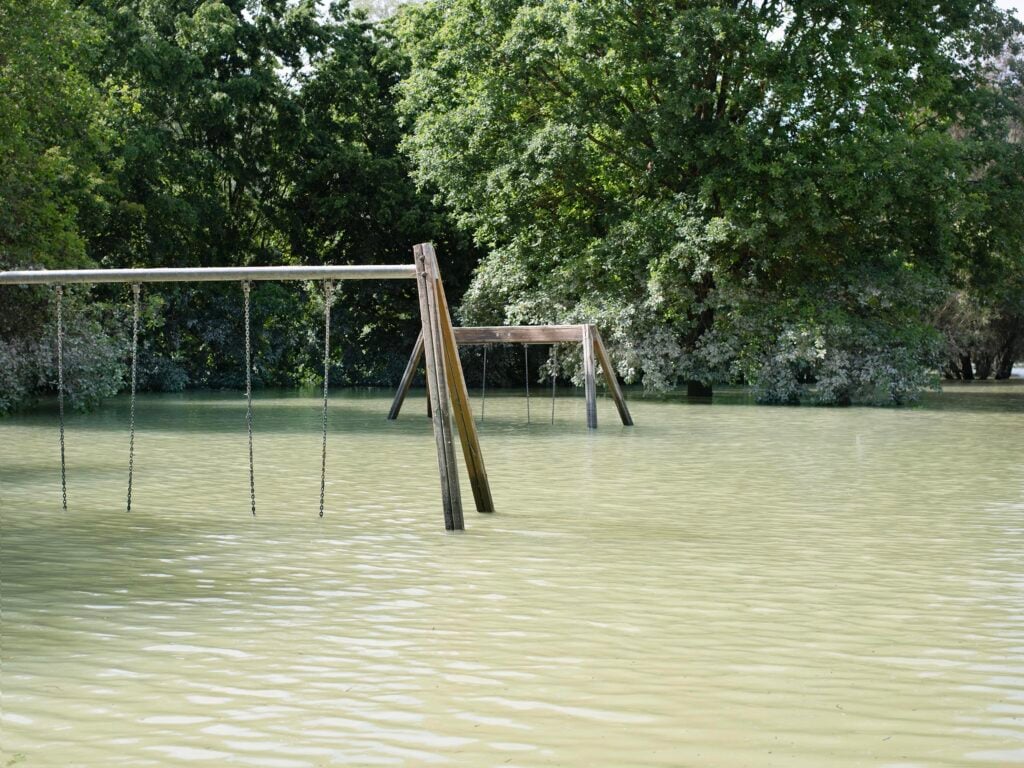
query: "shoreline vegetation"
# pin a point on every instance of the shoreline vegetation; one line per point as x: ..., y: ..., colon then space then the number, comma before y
x: 946, y: 393
x: 820, y: 204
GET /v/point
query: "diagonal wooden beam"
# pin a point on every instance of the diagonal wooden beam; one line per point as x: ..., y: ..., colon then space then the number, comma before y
x: 459, y: 395
x: 407, y: 377
x: 433, y: 353
x: 605, y: 362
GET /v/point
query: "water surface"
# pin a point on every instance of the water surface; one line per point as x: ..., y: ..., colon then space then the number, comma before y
x: 720, y: 585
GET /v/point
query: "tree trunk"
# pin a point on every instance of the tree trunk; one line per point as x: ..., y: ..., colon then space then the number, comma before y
x: 966, y: 370
x: 983, y: 367
x: 1004, y: 360
x: 1004, y: 366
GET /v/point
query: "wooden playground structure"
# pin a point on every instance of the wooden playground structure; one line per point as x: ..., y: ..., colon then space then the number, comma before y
x: 585, y: 334
x: 449, y: 398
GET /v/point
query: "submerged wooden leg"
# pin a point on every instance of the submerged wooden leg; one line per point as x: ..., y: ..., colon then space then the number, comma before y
x: 433, y: 353
x: 407, y: 377
x: 456, y: 382
x: 589, y: 376
x: 609, y: 376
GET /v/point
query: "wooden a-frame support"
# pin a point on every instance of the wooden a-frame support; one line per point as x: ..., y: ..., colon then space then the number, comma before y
x: 446, y: 383
x: 594, y: 352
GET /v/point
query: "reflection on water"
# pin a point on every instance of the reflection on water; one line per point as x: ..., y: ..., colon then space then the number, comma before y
x: 725, y: 585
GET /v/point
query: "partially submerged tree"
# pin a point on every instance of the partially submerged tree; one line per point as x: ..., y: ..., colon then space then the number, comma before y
x: 983, y: 319
x: 747, y: 190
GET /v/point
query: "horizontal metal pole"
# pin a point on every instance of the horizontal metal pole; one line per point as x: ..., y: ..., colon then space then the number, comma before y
x: 209, y: 274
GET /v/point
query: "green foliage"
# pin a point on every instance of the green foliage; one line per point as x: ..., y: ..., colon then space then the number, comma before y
x: 185, y: 133
x: 93, y: 359
x: 94, y: 355
x: 263, y: 133
x: 760, y: 191
x: 51, y: 134
x: 48, y: 133
x: 205, y: 124
x: 821, y: 200
x: 983, y: 319
x: 351, y: 200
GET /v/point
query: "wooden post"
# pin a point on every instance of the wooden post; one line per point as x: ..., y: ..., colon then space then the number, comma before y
x: 433, y: 353
x: 589, y: 376
x: 459, y: 394
x: 407, y: 377
x: 609, y: 376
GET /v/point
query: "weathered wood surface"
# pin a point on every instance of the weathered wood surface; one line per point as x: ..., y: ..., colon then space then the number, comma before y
x: 589, y: 376
x: 407, y: 377
x: 518, y: 334
x: 605, y: 362
x: 463, y: 413
x: 433, y: 353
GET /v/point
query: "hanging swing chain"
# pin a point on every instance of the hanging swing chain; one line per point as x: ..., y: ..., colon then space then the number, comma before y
x: 526, y: 372
x: 328, y: 298
x: 483, y: 386
x: 60, y: 391
x: 246, y: 286
x: 136, y: 290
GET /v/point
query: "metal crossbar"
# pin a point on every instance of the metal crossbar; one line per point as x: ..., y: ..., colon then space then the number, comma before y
x: 209, y: 274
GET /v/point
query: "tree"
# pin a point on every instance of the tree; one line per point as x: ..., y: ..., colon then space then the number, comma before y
x: 380, y: 9
x: 206, y: 133
x: 205, y: 114
x: 983, y: 319
x: 51, y: 134
x: 350, y: 199
x: 759, y: 191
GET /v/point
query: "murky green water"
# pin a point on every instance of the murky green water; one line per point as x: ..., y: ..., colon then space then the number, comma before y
x: 724, y: 585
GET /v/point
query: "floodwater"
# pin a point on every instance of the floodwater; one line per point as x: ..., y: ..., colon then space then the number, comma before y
x: 720, y: 585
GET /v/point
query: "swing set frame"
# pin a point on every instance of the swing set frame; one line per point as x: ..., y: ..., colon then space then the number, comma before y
x: 449, y: 397
x: 585, y: 334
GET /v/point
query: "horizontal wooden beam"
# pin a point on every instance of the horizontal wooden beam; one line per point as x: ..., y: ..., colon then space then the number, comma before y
x: 209, y: 274
x: 519, y: 334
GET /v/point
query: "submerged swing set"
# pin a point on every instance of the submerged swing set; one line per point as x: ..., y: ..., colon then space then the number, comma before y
x: 586, y: 335
x: 445, y: 380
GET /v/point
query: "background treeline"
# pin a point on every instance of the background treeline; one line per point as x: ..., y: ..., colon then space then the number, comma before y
x: 189, y: 133
x: 820, y: 199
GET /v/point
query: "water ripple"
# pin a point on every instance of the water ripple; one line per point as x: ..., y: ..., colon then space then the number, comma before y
x: 726, y: 585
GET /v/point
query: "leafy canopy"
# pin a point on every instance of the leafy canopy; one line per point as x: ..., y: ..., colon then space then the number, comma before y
x: 754, y: 189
